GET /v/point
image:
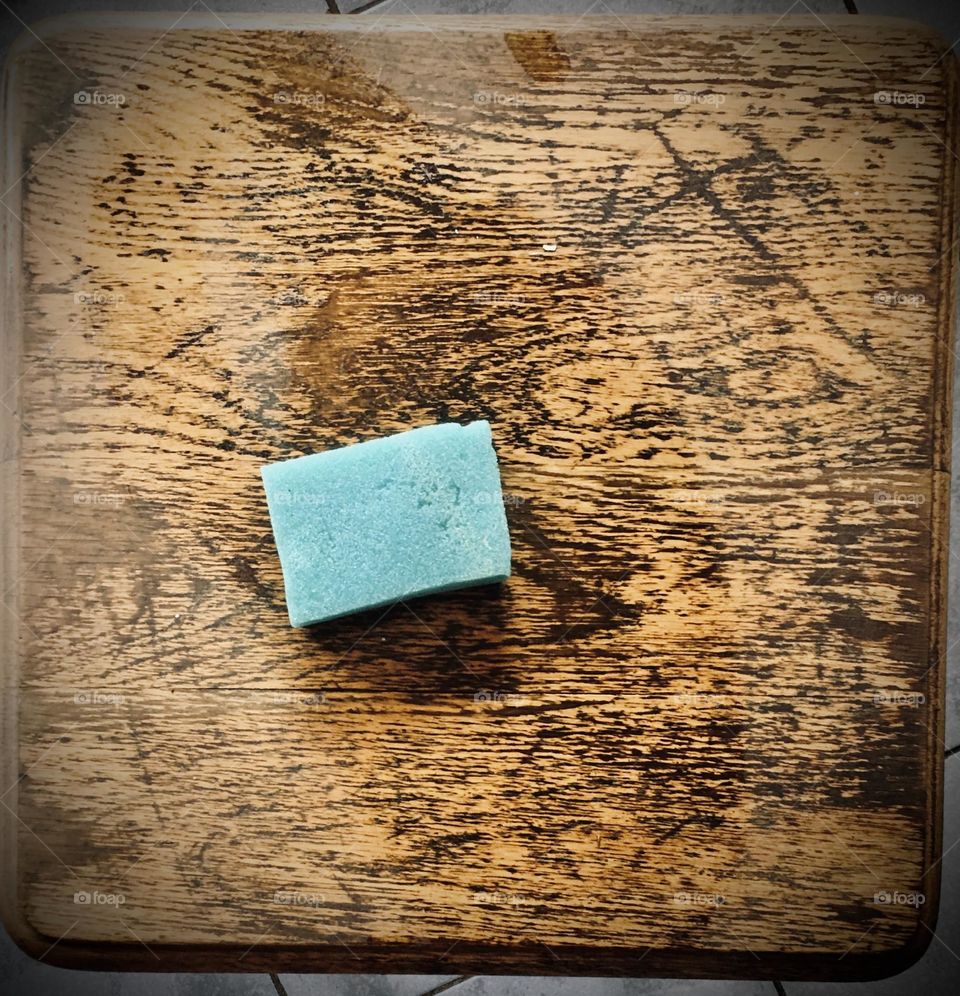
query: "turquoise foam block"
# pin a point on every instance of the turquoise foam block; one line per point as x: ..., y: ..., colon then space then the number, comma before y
x: 389, y: 519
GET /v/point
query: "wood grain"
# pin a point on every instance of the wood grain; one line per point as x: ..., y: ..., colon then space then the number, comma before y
x: 700, y: 279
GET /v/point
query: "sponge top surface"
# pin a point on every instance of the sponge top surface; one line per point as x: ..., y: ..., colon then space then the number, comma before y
x: 389, y: 518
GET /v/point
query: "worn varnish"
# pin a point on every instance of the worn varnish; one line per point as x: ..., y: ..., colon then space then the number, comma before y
x: 699, y: 278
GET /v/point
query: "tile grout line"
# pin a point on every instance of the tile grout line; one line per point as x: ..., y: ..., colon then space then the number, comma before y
x: 363, y: 8
x: 446, y: 986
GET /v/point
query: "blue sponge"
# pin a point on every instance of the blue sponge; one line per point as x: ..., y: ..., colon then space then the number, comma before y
x: 392, y: 518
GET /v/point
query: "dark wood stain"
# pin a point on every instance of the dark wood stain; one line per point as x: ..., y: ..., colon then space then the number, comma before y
x: 538, y: 53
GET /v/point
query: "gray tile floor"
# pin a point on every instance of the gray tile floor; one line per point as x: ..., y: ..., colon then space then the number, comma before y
x: 936, y: 974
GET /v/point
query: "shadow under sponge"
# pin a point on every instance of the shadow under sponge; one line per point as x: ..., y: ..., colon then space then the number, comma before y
x: 388, y: 519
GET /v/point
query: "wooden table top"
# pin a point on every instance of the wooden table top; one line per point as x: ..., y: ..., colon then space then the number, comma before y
x: 698, y: 274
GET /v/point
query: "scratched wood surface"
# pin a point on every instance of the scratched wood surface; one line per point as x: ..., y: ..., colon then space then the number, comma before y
x: 698, y: 276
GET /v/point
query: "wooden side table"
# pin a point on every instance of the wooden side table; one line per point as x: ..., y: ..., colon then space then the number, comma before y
x: 698, y: 274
